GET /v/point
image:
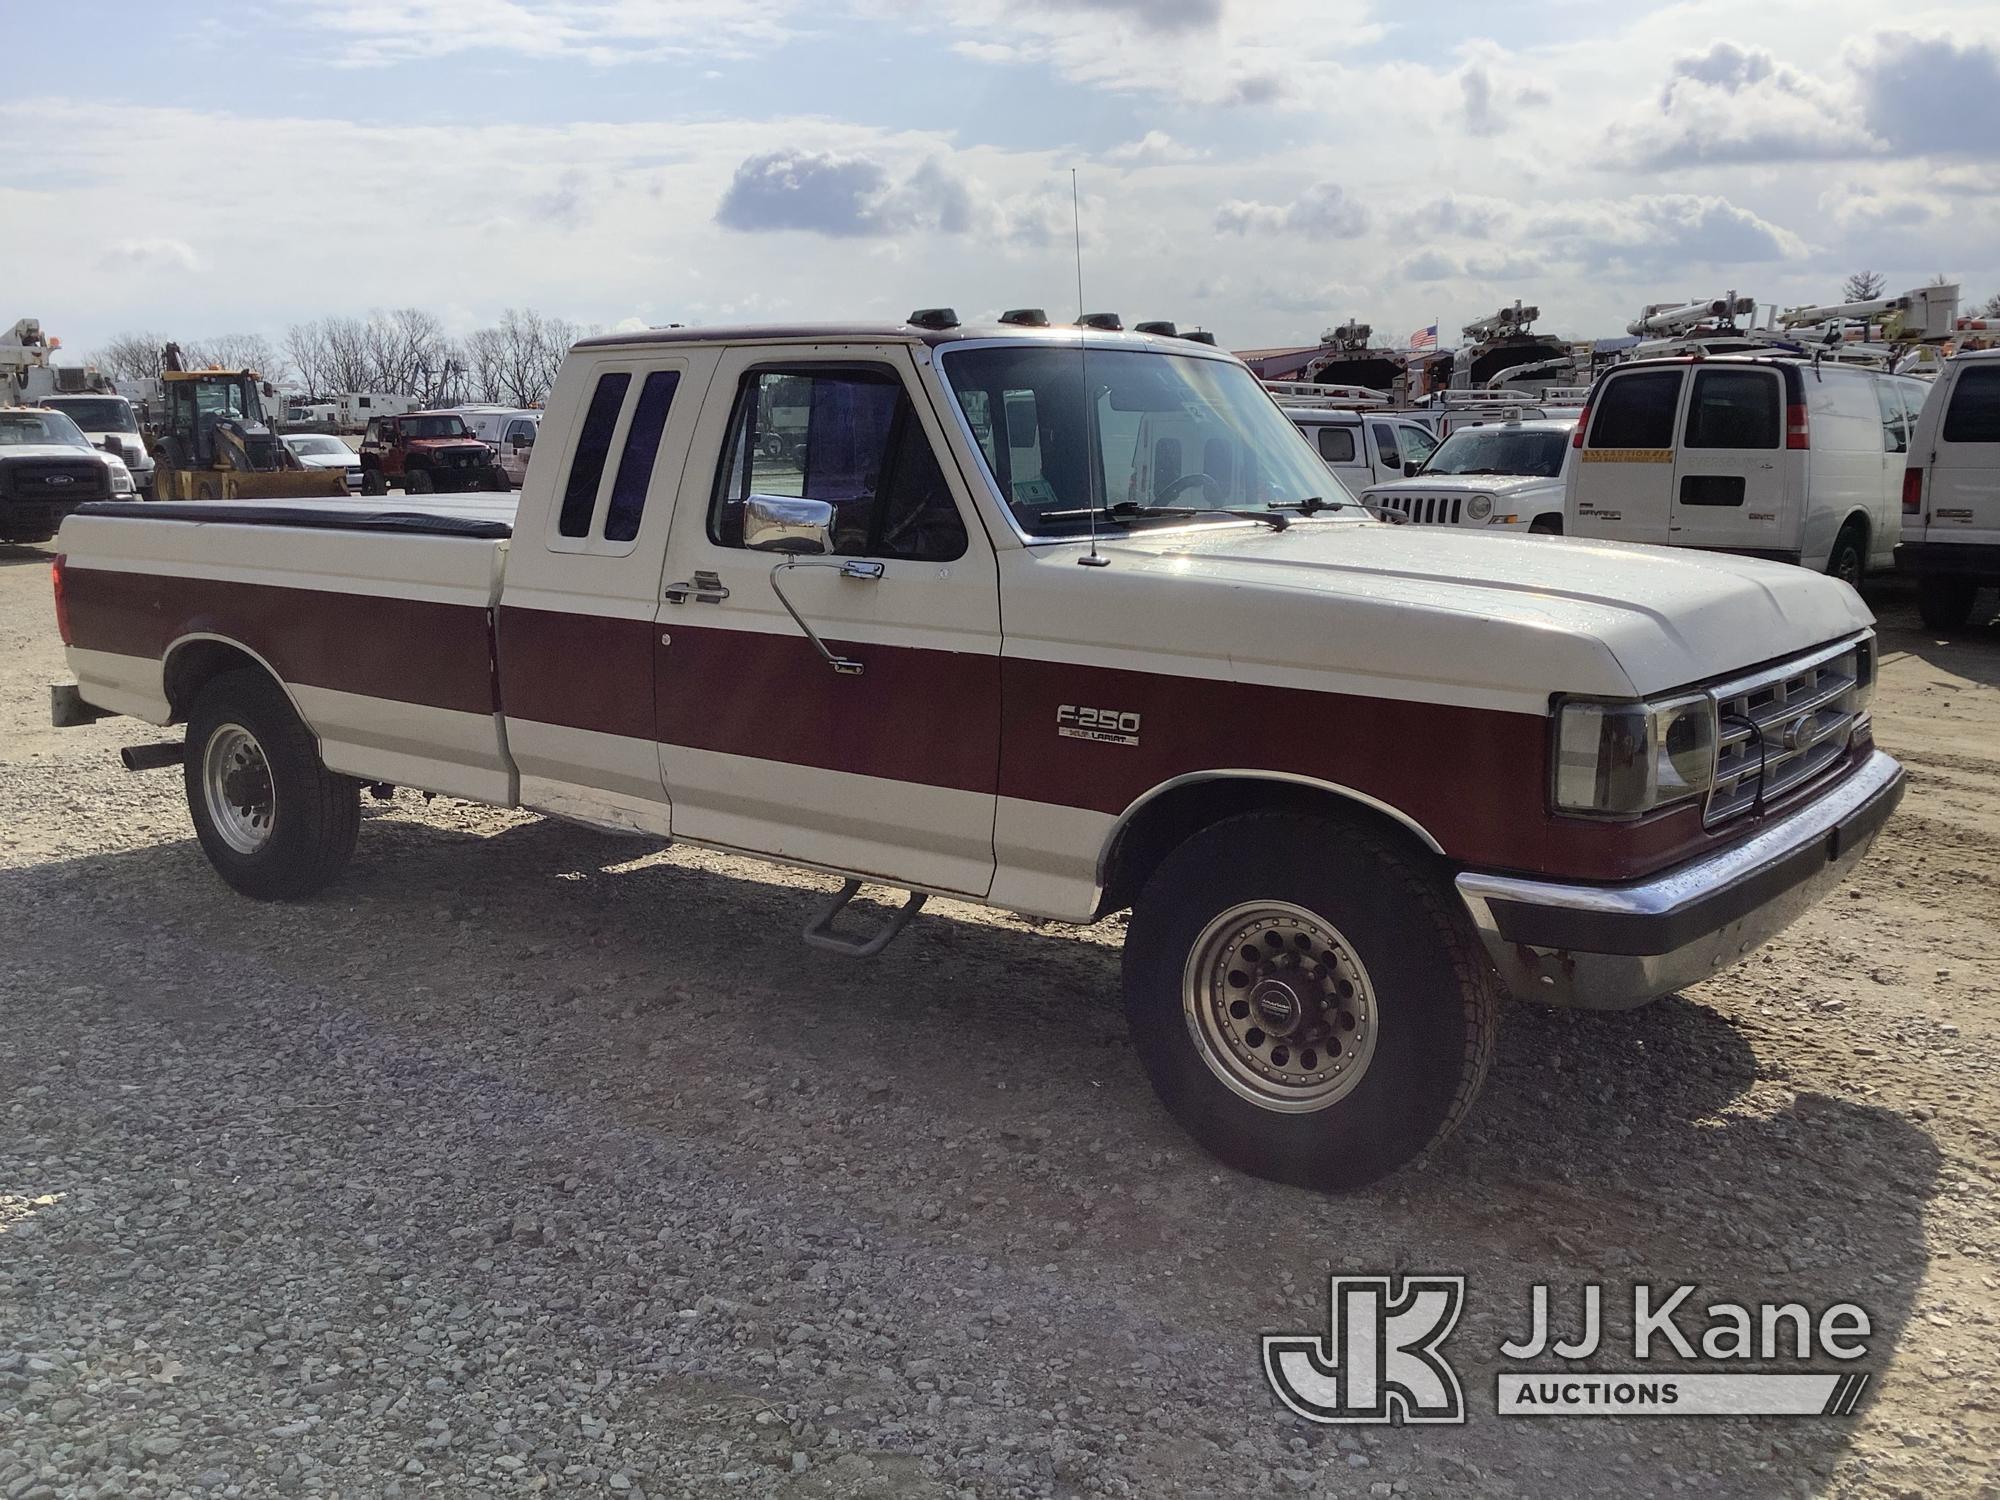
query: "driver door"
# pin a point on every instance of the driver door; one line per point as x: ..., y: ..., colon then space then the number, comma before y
x: 889, y: 770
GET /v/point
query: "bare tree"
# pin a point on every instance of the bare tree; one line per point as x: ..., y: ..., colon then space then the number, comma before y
x: 1863, y: 286
x: 1990, y: 308
x: 240, y: 351
x: 485, y: 360
x: 132, y: 356
x: 310, y: 350
x: 347, y: 363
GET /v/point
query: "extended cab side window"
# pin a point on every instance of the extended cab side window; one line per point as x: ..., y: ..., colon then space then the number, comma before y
x: 1336, y: 444
x: 1385, y: 444
x: 851, y: 438
x: 1636, y: 410
x: 1974, y: 413
x: 593, y: 446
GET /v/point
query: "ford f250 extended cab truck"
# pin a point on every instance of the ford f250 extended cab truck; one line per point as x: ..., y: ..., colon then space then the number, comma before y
x: 1355, y: 781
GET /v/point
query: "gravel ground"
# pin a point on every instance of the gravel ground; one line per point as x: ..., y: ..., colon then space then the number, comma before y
x: 529, y: 1159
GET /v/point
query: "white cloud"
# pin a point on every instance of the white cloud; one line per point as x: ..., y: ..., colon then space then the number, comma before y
x: 1152, y: 149
x: 1322, y: 211
x: 1930, y: 94
x: 1740, y: 104
x: 148, y: 255
x: 1668, y: 231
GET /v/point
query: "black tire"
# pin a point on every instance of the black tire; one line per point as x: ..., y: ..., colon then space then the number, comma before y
x: 1435, y: 1002
x: 313, y: 814
x: 418, y: 482
x: 1945, y: 603
x: 1849, y: 559
x: 372, y: 482
x: 1546, y: 526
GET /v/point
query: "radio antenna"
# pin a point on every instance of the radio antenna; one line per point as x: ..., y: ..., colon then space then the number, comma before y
x: 1090, y: 457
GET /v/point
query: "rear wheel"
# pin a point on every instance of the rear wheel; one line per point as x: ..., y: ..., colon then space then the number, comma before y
x: 1946, y: 603
x: 1307, y: 1003
x: 1546, y: 525
x: 271, y: 818
x: 1849, y: 559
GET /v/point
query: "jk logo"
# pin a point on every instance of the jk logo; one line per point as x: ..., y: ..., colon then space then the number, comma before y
x: 1380, y: 1362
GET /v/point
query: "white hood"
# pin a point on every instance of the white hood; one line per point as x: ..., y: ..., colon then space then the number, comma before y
x: 1427, y: 612
x: 53, y: 450
x: 1496, y: 485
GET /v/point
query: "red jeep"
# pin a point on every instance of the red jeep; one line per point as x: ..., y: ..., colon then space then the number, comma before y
x: 426, y: 452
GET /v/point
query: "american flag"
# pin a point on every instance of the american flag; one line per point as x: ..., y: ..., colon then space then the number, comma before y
x: 1425, y: 338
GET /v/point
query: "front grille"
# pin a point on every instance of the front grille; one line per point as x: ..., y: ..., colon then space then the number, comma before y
x: 59, y: 479
x: 1424, y: 510
x: 1778, y: 729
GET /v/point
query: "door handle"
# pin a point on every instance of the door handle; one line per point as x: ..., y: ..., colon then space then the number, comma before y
x: 859, y: 569
x: 705, y: 588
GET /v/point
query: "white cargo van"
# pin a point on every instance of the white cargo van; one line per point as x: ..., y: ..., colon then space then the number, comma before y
x: 1364, y: 448
x: 1951, y: 492
x: 1751, y: 454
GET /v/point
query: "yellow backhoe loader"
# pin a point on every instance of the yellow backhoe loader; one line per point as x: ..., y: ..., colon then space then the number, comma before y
x: 214, y: 444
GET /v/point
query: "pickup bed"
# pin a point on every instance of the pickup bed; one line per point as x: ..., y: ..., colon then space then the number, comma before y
x: 955, y: 633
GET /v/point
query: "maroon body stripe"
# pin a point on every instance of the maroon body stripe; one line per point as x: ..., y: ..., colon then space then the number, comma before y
x: 410, y: 650
x: 592, y: 672
x: 1475, y: 779
x: 929, y: 717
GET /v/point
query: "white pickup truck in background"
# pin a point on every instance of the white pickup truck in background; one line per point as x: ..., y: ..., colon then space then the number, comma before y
x: 915, y: 605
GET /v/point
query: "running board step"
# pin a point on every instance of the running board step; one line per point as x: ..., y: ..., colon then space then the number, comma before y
x: 819, y: 932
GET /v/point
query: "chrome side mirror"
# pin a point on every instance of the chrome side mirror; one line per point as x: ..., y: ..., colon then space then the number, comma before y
x: 778, y: 523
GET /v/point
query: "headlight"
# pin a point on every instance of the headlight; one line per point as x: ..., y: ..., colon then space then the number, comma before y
x: 121, y: 480
x: 1626, y: 759
x: 1479, y: 507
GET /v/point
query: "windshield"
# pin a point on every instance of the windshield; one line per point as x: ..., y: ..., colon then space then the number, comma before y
x: 310, y: 444
x: 433, y: 427
x: 1162, y: 430
x: 98, y: 413
x: 1500, y: 450
x: 22, y: 428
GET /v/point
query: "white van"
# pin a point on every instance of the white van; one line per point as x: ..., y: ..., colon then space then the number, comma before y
x: 510, y: 432
x: 1951, y: 492
x: 1752, y: 454
x: 1363, y: 448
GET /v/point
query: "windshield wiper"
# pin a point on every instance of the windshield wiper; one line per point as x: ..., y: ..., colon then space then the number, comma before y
x: 1133, y: 510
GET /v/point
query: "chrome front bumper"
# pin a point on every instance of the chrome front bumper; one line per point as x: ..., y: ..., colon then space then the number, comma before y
x: 1609, y: 947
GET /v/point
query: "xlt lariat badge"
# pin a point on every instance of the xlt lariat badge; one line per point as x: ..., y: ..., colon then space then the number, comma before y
x: 1107, y: 726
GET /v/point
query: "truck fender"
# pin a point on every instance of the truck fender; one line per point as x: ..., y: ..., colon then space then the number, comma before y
x: 1161, y: 818
x: 199, y: 656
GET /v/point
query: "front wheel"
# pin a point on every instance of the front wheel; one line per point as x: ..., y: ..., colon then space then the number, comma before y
x: 271, y: 818
x: 1946, y: 603
x: 418, y: 482
x: 1308, y: 1004
x: 1847, y: 561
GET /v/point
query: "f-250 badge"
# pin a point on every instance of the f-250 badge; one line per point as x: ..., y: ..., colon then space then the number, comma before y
x: 1105, y: 725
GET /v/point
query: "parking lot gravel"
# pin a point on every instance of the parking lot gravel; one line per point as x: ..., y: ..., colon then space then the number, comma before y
x: 529, y: 1159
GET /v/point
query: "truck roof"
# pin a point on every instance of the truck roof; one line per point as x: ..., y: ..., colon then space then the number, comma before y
x: 894, y: 333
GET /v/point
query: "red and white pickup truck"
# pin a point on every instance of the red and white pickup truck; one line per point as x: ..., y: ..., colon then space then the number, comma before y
x: 893, y: 603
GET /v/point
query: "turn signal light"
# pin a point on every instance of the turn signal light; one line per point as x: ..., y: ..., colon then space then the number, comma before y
x: 1797, y: 434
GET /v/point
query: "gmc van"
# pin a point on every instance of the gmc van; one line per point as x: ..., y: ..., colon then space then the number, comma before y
x: 1951, y: 492
x: 1751, y: 454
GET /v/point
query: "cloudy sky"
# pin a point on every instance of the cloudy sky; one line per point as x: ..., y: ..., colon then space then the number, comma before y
x: 1260, y: 167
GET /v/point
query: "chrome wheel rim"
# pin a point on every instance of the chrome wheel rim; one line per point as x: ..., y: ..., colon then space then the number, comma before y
x: 1280, y: 1007
x: 236, y: 783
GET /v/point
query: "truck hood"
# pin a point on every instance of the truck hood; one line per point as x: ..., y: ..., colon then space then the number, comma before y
x: 1495, y: 485
x: 434, y: 445
x: 1497, y: 619
x: 40, y: 451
